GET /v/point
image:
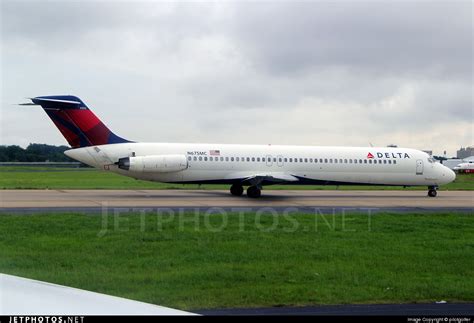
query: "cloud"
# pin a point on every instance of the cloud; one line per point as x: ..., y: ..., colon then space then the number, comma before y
x: 380, y: 38
x: 327, y: 73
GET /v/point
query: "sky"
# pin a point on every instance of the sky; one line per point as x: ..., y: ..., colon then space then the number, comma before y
x: 332, y: 73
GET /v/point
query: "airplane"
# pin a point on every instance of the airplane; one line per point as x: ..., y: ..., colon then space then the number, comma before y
x: 467, y: 167
x: 251, y: 166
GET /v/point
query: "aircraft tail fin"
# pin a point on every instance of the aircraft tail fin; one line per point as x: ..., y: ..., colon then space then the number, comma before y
x: 76, y: 122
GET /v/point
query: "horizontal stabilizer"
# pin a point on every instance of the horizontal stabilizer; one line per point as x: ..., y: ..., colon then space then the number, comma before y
x: 39, y: 99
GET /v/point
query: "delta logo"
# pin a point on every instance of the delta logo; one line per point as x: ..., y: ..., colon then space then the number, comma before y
x: 388, y: 155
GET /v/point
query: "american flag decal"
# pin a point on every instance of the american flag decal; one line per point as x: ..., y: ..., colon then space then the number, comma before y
x: 214, y: 152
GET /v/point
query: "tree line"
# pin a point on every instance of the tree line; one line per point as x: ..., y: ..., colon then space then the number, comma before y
x: 34, y: 153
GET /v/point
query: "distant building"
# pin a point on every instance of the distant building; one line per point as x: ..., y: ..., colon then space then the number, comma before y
x: 392, y: 146
x: 465, y: 152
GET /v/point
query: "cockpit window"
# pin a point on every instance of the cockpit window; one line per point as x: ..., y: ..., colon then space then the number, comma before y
x: 431, y: 160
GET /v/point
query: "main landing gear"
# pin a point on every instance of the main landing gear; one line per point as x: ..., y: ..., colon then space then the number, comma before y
x: 252, y: 191
x: 236, y: 190
x: 432, y: 191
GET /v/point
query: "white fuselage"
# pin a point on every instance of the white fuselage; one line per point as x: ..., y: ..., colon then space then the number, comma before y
x: 221, y: 163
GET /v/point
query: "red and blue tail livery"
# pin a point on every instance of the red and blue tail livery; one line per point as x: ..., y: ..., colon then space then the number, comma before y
x: 79, y: 125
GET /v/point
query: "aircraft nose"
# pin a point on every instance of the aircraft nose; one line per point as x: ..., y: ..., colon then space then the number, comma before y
x: 451, y: 175
x: 448, y: 175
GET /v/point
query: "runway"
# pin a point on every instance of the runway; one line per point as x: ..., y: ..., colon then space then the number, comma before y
x: 25, y: 201
x: 444, y: 309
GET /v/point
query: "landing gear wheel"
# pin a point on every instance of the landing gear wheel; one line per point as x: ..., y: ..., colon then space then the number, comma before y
x: 254, y: 192
x: 236, y: 190
x: 432, y: 193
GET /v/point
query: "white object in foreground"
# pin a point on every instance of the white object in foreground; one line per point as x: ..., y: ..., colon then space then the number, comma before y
x: 22, y: 296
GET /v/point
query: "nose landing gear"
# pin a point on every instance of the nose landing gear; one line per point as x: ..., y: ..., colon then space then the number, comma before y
x: 432, y: 191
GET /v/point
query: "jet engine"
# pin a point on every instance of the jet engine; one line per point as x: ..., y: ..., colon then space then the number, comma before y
x: 153, y: 163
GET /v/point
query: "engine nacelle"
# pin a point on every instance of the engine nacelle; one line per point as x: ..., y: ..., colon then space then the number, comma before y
x: 154, y: 163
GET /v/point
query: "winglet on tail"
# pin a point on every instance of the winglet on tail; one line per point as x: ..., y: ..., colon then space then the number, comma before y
x: 76, y: 122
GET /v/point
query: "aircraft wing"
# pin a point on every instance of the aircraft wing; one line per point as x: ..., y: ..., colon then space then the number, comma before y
x: 33, y: 297
x: 265, y: 178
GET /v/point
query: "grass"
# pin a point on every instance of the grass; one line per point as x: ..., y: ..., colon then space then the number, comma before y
x: 213, y: 261
x: 19, y: 177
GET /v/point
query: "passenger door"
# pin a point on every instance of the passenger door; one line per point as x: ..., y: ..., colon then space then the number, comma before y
x: 419, y: 167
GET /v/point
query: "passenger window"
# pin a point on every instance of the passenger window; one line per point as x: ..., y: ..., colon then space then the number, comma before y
x: 189, y: 158
x: 320, y: 160
x: 253, y: 159
x: 311, y: 160
x: 389, y: 161
x: 237, y: 159
x: 316, y: 160
x: 211, y: 159
x: 384, y: 161
x: 227, y: 159
x: 205, y: 158
x: 355, y: 161
x: 286, y: 160
x: 365, y: 161
x: 340, y: 160
x: 231, y: 158
x: 394, y: 161
x: 350, y: 161
x: 200, y: 158
x: 330, y: 161
x: 326, y: 160
x: 258, y: 159
x: 195, y: 158
x: 274, y: 159
x: 306, y: 160
x: 291, y: 160
x: 335, y: 161
x: 279, y: 160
